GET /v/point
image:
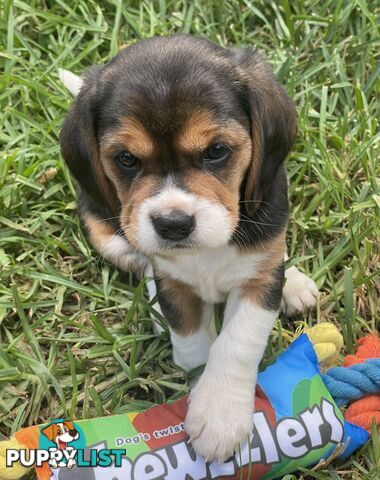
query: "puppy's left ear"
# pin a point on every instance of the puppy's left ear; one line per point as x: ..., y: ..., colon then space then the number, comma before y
x: 273, y: 123
x: 79, y: 143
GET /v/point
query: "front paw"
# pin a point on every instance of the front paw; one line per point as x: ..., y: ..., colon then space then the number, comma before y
x: 299, y: 293
x: 220, y: 417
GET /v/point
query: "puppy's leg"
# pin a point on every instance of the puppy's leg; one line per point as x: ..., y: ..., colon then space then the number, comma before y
x: 191, y: 350
x: 299, y: 293
x: 220, y: 415
x: 191, y: 322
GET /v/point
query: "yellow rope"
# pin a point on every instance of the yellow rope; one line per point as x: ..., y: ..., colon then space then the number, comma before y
x: 327, y: 342
x: 17, y: 470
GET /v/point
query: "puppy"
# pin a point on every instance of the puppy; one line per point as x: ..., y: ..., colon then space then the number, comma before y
x: 178, y: 148
x: 61, y: 434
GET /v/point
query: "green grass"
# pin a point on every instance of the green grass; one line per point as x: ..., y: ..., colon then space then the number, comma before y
x: 76, y: 338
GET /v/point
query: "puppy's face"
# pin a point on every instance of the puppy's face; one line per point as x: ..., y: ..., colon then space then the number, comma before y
x: 174, y: 134
x: 177, y: 171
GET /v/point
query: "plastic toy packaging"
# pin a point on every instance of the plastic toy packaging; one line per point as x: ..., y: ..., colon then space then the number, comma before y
x: 296, y: 423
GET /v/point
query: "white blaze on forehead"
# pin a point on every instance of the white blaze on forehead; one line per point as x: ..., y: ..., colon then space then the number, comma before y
x: 213, y: 223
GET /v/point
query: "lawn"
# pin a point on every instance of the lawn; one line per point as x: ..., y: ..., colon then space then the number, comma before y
x: 75, y: 336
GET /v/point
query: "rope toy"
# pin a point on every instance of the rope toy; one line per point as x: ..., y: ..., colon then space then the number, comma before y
x: 352, y: 383
x: 327, y: 342
x: 358, y: 381
x: 362, y: 412
x: 369, y: 347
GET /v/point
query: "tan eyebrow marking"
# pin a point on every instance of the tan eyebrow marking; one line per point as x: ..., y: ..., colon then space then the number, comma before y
x: 133, y: 135
x: 200, y: 130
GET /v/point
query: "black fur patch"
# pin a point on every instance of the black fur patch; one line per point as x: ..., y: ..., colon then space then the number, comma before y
x: 268, y: 219
x: 273, y: 295
x: 171, y: 314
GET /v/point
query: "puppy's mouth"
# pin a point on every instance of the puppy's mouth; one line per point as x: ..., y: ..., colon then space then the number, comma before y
x: 170, y: 247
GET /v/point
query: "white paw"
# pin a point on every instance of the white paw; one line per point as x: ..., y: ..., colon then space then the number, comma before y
x: 220, y: 417
x: 299, y: 293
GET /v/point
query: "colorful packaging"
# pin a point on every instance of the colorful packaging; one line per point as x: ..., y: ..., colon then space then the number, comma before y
x: 297, y: 423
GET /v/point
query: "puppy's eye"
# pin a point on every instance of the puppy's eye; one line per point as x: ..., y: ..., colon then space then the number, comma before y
x: 216, y: 153
x: 126, y: 160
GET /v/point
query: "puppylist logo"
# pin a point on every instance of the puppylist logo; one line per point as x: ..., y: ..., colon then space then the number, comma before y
x: 62, y: 445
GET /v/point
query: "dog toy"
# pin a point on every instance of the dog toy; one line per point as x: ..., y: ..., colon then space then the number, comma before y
x: 297, y: 423
x: 356, y: 382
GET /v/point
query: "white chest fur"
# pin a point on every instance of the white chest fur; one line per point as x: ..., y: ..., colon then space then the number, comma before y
x: 211, y: 272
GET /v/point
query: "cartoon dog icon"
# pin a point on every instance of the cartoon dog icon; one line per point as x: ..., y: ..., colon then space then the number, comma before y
x: 61, y: 433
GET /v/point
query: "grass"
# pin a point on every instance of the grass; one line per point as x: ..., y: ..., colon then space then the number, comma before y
x: 75, y: 337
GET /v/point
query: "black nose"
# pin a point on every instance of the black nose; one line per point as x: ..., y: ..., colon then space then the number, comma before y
x: 175, y: 226
x: 73, y: 433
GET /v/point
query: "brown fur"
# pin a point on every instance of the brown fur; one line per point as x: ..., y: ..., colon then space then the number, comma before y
x: 257, y: 288
x: 99, y: 231
x: 131, y: 200
x: 186, y: 305
x: 132, y: 136
x: 207, y: 186
x: 201, y: 130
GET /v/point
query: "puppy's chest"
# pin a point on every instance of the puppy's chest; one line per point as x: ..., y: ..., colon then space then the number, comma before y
x: 212, y: 272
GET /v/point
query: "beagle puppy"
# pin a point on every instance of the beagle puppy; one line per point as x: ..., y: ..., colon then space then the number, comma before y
x: 178, y: 147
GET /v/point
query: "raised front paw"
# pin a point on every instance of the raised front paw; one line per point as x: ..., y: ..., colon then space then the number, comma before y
x: 220, y: 417
x: 299, y: 294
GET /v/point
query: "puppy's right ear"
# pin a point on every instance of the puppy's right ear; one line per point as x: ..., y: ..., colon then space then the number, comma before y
x: 79, y: 143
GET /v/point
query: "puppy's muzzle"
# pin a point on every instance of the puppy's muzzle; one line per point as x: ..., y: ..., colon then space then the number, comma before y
x: 174, y: 226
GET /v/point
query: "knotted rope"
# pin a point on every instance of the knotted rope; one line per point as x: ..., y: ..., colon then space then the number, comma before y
x: 358, y: 382
x: 347, y: 384
x: 327, y: 342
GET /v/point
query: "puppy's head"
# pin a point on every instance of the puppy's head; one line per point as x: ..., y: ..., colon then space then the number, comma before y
x: 173, y: 135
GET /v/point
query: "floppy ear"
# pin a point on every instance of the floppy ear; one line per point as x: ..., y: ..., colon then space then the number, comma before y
x: 50, y: 432
x: 79, y: 143
x: 273, y: 124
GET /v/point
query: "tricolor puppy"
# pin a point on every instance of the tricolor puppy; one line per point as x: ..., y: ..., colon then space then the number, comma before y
x: 178, y: 148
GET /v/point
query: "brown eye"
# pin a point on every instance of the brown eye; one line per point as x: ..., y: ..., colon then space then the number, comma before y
x: 126, y: 160
x: 216, y: 153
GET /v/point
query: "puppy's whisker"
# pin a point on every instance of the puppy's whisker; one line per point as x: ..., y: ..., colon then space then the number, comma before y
x: 260, y: 223
x: 254, y: 201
